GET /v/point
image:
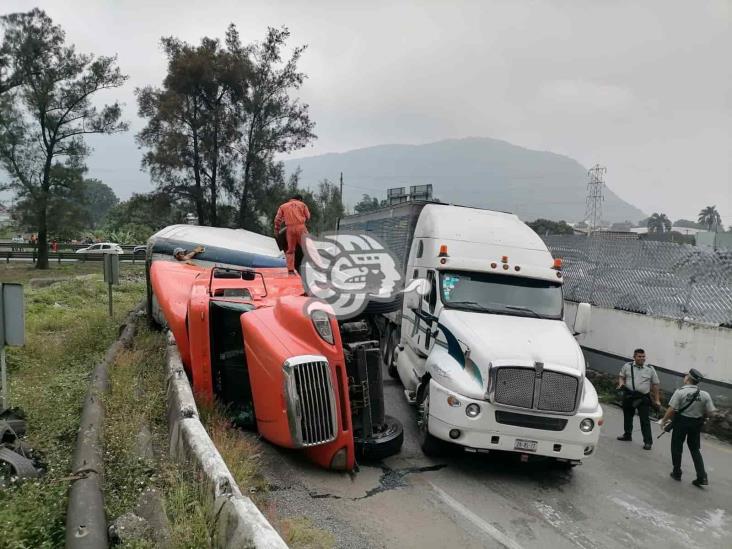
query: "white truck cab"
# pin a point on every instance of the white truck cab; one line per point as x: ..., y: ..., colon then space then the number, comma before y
x: 485, y: 353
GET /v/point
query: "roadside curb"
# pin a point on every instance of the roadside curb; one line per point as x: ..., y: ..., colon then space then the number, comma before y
x: 86, y: 522
x: 238, y: 522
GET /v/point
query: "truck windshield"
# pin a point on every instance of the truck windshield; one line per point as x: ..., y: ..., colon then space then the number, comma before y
x: 501, y: 294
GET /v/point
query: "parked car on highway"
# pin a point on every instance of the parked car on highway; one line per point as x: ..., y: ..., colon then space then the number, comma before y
x: 101, y: 248
x: 139, y: 250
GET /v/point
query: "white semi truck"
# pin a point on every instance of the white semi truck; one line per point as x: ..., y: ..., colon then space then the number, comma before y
x: 485, y: 354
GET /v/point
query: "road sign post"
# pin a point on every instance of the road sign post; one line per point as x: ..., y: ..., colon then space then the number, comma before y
x: 12, y: 329
x: 111, y: 275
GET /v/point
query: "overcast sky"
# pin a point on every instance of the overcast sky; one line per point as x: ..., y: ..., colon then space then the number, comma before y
x: 642, y: 87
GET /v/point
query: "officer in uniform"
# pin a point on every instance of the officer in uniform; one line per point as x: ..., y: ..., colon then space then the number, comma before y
x: 687, y: 409
x: 640, y: 384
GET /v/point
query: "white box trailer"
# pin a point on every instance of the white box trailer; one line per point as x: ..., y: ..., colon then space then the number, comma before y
x: 485, y: 354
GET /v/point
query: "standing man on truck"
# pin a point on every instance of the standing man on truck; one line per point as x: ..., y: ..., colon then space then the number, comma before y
x: 295, y: 214
x: 640, y: 384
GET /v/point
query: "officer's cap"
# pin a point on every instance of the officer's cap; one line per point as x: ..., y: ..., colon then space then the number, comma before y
x: 695, y: 375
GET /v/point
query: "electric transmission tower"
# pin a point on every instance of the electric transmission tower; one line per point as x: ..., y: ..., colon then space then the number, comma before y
x: 595, y: 186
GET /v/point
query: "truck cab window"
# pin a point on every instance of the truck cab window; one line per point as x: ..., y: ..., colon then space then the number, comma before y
x: 501, y: 294
x: 420, y: 248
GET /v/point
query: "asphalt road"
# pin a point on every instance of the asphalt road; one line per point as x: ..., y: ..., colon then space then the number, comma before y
x: 622, y: 497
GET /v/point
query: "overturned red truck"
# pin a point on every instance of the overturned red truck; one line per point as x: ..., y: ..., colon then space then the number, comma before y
x: 302, y: 379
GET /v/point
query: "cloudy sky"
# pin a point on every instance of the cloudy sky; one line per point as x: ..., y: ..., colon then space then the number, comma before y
x: 643, y: 87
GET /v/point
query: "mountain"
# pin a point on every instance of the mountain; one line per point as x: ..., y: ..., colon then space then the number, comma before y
x: 474, y: 171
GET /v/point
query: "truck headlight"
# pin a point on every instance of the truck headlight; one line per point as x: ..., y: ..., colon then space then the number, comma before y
x: 321, y: 321
x: 586, y: 425
x: 472, y: 410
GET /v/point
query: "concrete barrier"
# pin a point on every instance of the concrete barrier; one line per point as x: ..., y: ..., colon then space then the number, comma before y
x: 238, y: 522
x: 671, y: 346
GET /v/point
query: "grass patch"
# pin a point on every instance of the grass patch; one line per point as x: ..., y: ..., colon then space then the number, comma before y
x: 137, y: 399
x: 242, y: 454
x: 23, y: 272
x: 68, y: 331
x: 240, y: 451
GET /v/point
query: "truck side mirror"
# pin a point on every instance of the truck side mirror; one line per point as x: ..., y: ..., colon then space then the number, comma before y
x: 582, y: 318
x: 412, y: 300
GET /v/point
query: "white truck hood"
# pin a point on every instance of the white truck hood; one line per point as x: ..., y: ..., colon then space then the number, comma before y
x: 514, y: 340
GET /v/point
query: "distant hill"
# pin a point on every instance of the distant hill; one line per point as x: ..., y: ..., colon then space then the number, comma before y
x: 474, y: 171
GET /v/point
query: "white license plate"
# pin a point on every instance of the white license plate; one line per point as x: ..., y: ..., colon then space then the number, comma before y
x: 526, y: 445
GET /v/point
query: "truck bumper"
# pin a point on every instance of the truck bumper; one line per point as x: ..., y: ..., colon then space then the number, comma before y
x: 484, y: 432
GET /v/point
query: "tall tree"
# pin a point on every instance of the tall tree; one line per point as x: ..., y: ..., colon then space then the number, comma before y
x: 43, y: 121
x: 193, y: 123
x: 329, y: 206
x: 659, y: 223
x: 710, y: 218
x: 67, y: 211
x: 98, y: 200
x: 272, y: 121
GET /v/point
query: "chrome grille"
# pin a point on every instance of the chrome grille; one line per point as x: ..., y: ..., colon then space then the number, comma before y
x: 525, y: 388
x: 558, y: 392
x: 515, y: 386
x: 316, y: 413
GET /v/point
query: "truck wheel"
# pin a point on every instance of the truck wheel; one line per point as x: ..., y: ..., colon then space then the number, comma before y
x: 431, y: 445
x: 391, y: 343
x: 383, y: 444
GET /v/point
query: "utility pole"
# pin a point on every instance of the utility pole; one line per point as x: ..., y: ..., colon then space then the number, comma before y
x: 341, y: 191
x: 595, y: 198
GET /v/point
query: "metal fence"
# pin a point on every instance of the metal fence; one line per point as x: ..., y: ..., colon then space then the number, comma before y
x: 662, y: 279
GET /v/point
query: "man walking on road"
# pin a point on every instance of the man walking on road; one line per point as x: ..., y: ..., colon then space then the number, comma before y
x: 640, y: 384
x: 687, y: 410
x: 294, y: 213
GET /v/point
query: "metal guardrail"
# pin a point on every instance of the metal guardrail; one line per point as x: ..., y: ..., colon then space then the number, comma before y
x: 26, y: 246
x: 661, y: 279
x: 7, y: 255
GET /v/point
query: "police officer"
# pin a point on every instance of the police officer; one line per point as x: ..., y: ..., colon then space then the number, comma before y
x: 688, y: 408
x: 640, y: 384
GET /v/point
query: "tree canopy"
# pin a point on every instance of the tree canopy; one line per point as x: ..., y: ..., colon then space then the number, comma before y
x: 545, y: 226
x: 367, y: 203
x: 710, y: 218
x: 44, y: 118
x: 659, y: 223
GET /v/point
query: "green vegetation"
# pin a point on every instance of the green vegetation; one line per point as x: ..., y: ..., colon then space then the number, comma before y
x: 136, y: 400
x: 68, y: 331
x: 241, y: 453
x: 544, y: 227
x: 25, y: 272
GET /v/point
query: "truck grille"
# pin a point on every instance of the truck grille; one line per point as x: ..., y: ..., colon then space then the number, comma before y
x: 532, y: 422
x: 547, y: 391
x: 314, y: 388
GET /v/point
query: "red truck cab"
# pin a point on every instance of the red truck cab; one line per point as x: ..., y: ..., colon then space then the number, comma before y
x: 247, y: 340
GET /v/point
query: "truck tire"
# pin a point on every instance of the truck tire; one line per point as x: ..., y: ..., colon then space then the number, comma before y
x: 391, y: 343
x: 382, y: 445
x: 431, y: 445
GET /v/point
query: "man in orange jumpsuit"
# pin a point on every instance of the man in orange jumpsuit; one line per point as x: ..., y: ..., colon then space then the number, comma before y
x: 294, y: 213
